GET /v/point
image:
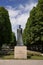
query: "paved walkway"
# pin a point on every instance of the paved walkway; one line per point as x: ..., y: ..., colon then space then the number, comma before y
x: 21, y: 62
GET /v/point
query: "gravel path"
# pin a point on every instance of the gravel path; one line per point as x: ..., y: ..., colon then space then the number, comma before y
x: 21, y: 62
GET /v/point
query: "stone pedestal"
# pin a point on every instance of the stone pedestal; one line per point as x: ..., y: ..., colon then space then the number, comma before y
x: 20, y: 52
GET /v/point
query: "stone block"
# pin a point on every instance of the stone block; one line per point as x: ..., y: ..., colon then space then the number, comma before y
x: 20, y: 52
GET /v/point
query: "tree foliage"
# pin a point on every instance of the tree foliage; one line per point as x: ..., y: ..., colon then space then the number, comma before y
x: 13, y: 41
x: 33, y: 32
x: 5, y: 27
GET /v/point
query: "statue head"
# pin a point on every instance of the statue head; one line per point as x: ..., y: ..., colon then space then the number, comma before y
x: 19, y: 26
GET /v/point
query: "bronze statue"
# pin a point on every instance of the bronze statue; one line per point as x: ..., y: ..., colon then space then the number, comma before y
x: 19, y: 36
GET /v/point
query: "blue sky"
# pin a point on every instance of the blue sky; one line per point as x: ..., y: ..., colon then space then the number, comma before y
x: 15, y: 3
x: 19, y: 11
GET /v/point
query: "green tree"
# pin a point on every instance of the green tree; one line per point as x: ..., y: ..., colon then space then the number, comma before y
x: 33, y: 32
x: 5, y: 27
x: 13, y: 41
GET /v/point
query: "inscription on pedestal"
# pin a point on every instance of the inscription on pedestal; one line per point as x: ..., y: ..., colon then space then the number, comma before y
x: 20, y: 52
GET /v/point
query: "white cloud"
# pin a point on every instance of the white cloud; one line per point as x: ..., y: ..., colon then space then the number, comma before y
x: 20, y: 15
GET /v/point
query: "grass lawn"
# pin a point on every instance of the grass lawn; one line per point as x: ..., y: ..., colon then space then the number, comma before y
x: 36, y: 58
x: 32, y: 57
x: 7, y: 57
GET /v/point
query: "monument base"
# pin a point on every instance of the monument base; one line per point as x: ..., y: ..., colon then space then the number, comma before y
x: 20, y: 52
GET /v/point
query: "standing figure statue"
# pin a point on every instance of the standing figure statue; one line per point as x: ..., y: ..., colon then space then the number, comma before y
x: 19, y: 36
